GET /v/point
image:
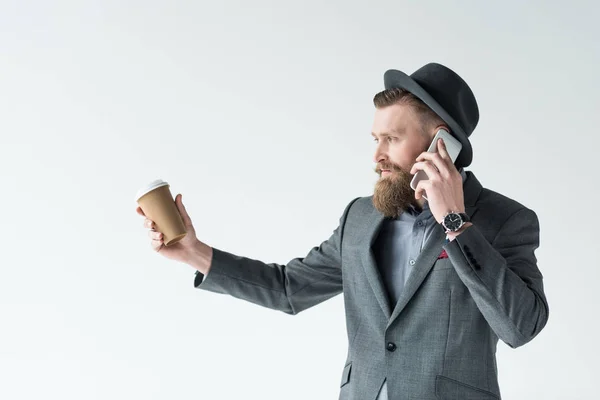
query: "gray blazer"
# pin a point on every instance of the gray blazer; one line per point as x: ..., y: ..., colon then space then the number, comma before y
x: 439, y: 340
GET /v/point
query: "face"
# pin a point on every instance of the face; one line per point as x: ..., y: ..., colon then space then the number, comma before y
x: 399, y: 140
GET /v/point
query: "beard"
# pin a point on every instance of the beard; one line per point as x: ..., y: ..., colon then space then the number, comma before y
x: 393, y: 194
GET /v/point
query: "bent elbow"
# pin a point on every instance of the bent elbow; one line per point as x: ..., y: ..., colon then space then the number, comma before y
x: 518, y: 339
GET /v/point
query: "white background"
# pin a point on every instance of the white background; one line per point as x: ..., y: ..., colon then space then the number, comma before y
x: 259, y: 113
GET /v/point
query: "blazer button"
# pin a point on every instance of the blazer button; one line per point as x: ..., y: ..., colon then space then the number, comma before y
x: 391, y: 346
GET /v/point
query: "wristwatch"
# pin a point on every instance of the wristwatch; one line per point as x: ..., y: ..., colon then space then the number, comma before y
x: 453, y: 221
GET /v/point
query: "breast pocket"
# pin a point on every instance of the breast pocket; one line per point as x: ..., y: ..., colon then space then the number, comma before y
x: 441, y: 264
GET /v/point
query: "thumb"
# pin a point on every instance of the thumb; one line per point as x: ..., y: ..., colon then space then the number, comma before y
x: 184, y: 215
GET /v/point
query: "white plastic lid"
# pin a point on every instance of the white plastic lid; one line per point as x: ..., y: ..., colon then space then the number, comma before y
x: 150, y: 187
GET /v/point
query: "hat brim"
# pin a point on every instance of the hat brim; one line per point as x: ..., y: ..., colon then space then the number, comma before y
x: 398, y: 79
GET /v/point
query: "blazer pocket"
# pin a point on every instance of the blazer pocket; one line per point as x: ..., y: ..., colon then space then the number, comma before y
x: 451, y: 389
x: 346, y: 374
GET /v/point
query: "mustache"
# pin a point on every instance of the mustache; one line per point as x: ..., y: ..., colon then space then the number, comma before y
x: 388, y: 167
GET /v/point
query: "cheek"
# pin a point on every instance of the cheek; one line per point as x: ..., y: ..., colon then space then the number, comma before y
x: 414, y: 158
x: 402, y: 161
x: 404, y: 154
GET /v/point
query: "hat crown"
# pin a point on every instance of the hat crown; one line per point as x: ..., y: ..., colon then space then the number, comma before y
x: 451, y: 92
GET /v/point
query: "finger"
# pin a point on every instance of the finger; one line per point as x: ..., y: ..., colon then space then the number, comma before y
x: 435, y: 160
x: 184, y: 215
x: 421, y: 187
x: 428, y: 155
x: 444, y: 151
x: 149, y: 224
x: 140, y: 211
x: 154, y: 235
x: 440, y: 161
x: 428, y: 167
x: 156, y: 244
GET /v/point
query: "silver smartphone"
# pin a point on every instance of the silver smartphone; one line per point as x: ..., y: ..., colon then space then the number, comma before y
x: 453, y: 147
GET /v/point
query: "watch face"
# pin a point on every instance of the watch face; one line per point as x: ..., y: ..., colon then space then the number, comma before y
x: 452, y: 221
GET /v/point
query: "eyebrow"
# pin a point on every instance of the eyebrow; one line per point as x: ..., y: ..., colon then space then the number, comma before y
x: 393, y: 131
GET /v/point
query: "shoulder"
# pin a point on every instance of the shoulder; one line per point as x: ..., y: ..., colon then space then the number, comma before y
x: 359, y: 206
x: 495, y: 210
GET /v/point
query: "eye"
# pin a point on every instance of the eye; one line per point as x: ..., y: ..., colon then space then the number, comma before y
x: 389, y: 139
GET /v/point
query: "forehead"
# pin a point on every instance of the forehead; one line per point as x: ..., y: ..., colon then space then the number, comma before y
x: 396, y: 118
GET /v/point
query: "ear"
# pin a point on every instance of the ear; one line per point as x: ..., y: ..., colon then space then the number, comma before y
x: 435, y: 130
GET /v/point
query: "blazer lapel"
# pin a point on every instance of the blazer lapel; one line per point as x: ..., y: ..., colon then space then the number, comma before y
x: 433, y: 248
x: 373, y: 226
x: 424, y: 261
x: 423, y: 264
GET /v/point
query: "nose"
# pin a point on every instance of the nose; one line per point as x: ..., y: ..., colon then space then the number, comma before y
x: 379, y: 155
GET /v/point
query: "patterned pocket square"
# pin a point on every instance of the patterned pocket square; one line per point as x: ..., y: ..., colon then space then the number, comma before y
x: 443, y: 254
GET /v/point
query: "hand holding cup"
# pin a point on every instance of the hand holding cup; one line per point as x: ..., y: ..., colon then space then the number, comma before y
x: 170, y: 226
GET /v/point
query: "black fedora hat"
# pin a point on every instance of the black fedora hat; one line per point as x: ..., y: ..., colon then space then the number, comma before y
x: 448, y: 95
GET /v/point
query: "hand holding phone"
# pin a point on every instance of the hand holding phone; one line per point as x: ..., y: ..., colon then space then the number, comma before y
x: 453, y: 147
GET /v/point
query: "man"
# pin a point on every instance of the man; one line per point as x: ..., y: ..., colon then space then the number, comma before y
x: 429, y: 286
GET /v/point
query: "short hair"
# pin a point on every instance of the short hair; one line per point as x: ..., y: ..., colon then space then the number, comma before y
x: 392, y: 96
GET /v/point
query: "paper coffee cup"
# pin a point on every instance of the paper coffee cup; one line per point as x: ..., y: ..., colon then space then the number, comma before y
x: 158, y: 205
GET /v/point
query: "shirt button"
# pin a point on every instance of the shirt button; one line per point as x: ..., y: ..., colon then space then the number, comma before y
x: 412, y: 262
x: 420, y: 223
x: 391, y: 346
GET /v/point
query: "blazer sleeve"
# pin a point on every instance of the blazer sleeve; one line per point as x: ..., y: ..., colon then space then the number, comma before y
x: 292, y: 287
x: 503, y: 277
